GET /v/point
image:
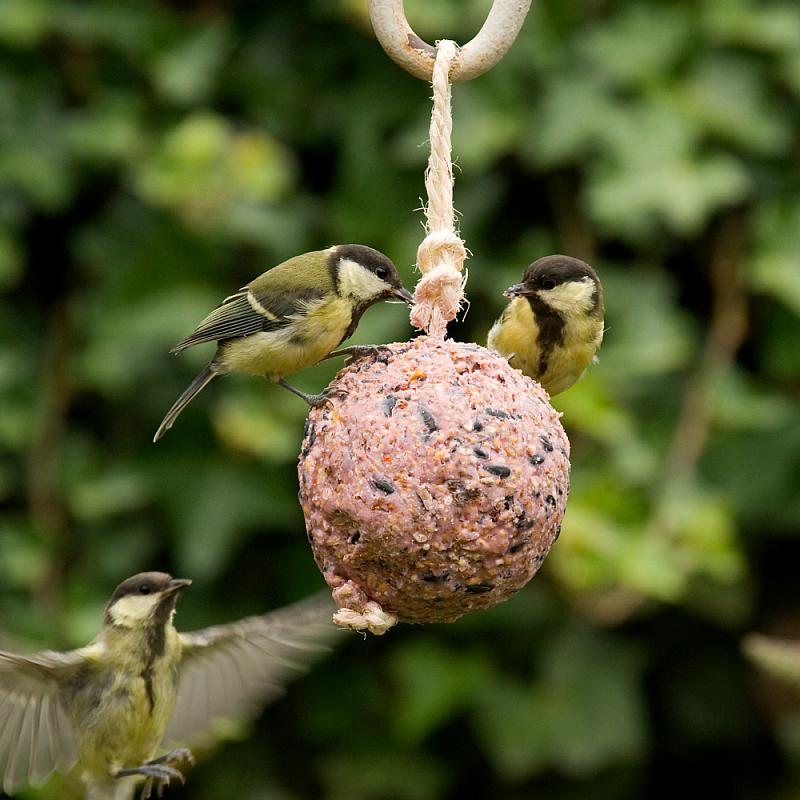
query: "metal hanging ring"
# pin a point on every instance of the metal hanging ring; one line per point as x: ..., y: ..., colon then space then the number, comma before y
x: 476, y: 57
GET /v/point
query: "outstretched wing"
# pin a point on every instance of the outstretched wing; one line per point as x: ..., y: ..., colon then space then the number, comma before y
x: 251, y: 310
x: 231, y: 671
x: 35, y: 734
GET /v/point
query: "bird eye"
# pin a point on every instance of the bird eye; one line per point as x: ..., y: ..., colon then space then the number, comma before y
x: 144, y: 588
x: 382, y: 273
x: 549, y: 283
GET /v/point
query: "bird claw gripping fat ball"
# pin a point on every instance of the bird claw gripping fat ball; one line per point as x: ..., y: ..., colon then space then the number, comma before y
x: 434, y: 487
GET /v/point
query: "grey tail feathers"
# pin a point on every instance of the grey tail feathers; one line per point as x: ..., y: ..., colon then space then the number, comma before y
x: 193, y: 389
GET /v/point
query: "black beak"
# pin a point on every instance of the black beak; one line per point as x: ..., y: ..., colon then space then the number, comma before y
x: 519, y: 290
x: 176, y: 585
x: 404, y: 295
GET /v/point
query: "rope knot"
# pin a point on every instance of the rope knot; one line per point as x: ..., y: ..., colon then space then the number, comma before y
x: 439, y: 292
x: 441, y: 247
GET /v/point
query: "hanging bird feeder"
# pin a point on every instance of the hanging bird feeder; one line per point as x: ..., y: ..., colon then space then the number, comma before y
x: 435, y: 482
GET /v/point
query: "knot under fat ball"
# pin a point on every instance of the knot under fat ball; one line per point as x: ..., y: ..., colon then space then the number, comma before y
x: 434, y: 486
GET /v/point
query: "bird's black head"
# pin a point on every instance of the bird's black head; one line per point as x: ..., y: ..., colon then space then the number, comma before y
x: 380, y: 279
x: 548, y: 272
x: 548, y: 277
x: 144, y: 599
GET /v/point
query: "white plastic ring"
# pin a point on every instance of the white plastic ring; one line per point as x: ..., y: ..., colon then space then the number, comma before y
x: 476, y: 57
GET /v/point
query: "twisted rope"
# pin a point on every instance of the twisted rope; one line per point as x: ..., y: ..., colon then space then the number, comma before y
x: 441, y: 255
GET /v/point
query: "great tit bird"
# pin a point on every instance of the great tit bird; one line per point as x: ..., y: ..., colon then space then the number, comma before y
x: 140, y: 683
x: 553, y: 326
x: 291, y: 317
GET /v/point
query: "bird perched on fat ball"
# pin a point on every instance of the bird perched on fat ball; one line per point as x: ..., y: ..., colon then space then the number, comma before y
x: 140, y: 684
x: 291, y: 317
x: 553, y: 326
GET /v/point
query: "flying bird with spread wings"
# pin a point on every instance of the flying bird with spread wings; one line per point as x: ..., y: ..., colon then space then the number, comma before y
x: 141, y: 685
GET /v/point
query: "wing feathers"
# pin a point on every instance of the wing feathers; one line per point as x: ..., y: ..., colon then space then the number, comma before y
x: 9, y: 781
x: 237, y: 668
x: 35, y: 737
x: 19, y: 767
x: 235, y: 317
x: 252, y: 311
x: 42, y: 754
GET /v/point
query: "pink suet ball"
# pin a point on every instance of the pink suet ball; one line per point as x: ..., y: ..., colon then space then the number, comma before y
x: 434, y: 483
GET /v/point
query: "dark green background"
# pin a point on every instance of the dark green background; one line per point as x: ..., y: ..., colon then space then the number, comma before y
x: 154, y: 156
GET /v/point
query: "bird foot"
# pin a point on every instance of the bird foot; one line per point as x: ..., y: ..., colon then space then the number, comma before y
x: 160, y: 771
x: 314, y: 400
x: 356, y: 351
x: 317, y: 400
x: 178, y: 756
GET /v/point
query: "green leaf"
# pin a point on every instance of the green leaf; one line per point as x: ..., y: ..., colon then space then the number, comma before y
x: 34, y: 159
x: 702, y: 525
x: 779, y: 353
x: 23, y: 554
x: 213, y: 507
x: 640, y: 44
x: 677, y: 190
x: 589, y: 550
x: 590, y: 409
x: 583, y: 711
x: 570, y: 121
x: 435, y: 683
x: 650, y: 563
x: 514, y: 727
x: 126, y: 339
x: 774, y: 266
x: 756, y: 470
x: 250, y: 424
x: 779, y: 658
x: 214, y: 177
x: 120, y: 26
x: 790, y: 73
x: 24, y: 23
x: 114, y: 491
x: 740, y: 403
x: 646, y: 333
x: 766, y: 26
x: 377, y: 774
x: 10, y: 258
x: 109, y: 130
x: 729, y: 97
x: 188, y: 71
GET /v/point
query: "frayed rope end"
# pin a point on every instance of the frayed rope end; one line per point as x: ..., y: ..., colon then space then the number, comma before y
x: 371, y: 618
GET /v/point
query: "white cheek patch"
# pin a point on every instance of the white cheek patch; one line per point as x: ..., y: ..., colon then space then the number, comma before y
x: 355, y: 281
x: 133, y: 609
x: 575, y: 295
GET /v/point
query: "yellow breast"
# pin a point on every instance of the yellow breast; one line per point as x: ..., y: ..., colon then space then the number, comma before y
x: 121, y: 710
x: 517, y: 333
x: 567, y: 363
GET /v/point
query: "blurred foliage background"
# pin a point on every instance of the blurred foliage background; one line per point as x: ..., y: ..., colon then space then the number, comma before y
x: 155, y: 156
